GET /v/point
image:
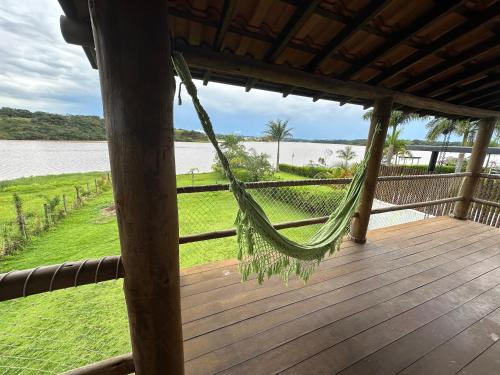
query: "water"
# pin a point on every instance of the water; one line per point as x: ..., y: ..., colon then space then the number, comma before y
x: 38, y: 158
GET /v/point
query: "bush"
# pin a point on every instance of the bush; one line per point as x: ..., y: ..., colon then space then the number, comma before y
x: 306, y: 171
x: 313, y: 200
x: 313, y: 171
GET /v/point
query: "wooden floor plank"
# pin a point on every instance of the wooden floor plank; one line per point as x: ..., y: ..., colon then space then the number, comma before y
x: 462, y: 349
x: 486, y: 363
x: 335, y: 358
x: 319, y: 311
x: 397, y: 356
x: 476, y: 242
x: 328, y: 279
x: 414, y: 294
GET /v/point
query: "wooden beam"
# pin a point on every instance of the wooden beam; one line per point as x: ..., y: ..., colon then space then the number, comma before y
x: 475, y: 165
x: 475, y: 21
x: 227, y: 15
x: 138, y: 91
x: 360, y: 20
x: 294, y: 24
x: 242, y: 67
x: 403, y: 36
x: 450, y: 63
x: 466, y: 74
x: 206, y: 77
x: 376, y: 138
x: 250, y: 84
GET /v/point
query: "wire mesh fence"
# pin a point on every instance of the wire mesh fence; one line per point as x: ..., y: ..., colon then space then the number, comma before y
x: 55, y: 332
x: 58, y: 331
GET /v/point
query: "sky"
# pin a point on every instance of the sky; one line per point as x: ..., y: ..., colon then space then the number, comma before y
x: 39, y: 71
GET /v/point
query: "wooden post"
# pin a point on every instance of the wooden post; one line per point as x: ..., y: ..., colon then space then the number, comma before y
x: 483, y: 138
x: 46, y: 213
x: 380, y: 118
x: 78, y: 197
x: 137, y: 84
x: 65, y: 204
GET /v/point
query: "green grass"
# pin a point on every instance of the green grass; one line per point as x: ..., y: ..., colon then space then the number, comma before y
x: 35, y: 190
x: 74, y: 327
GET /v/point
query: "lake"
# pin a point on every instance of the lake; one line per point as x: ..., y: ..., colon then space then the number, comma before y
x: 37, y: 158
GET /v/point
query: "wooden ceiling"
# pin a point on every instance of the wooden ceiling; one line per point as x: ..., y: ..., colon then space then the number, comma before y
x: 442, y: 50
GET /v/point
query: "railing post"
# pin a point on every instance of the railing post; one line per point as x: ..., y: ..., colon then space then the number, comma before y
x: 483, y: 138
x: 132, y: 42
x: 380, y: 118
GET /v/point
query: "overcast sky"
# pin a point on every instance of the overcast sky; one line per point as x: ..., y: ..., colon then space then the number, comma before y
x: 39, y: 71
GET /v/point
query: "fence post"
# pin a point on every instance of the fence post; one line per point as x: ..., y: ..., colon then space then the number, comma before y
x: 475, y: 165
x: 78, y: 198
x: 18, y: 203
x: 46, y: 212
x: 65, y: 204
x: 380, y: 118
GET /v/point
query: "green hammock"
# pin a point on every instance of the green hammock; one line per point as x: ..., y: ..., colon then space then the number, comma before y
x: 261, y: 248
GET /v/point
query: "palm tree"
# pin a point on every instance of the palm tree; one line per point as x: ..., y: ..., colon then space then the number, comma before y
x: 394, y: 145
x: 277, y: 131
x: 346, y: 154
x: 398, y: 119
x: 465, y: 128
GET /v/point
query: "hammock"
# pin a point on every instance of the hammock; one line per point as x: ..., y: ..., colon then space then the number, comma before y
x: 262, y: 250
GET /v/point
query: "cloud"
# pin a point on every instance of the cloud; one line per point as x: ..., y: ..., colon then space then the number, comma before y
x: 39, y: 70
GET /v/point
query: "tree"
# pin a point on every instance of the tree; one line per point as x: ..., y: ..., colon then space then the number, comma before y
x: 278, y: 130
x: 346, y: 154
x: 257, y: 166
x: 394, y: 145
x: 464, y: 128
x: 398, y: 119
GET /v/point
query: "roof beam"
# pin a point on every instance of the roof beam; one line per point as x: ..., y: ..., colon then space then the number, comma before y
x: 479, y: 95
x: 288, y: 91
x: 357, y: 23
x: 451, y: 62
x: 238, y: 66
x: 467, y: 26
x: 403, y: 36
x: 473, y: 87
x: 227, y: 15
x: 294, y: 24
x: 467, y: 73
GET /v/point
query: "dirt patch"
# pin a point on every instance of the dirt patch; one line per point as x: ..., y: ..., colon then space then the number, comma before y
x: 109, y: 211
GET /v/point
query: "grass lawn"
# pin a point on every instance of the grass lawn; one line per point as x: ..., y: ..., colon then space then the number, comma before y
x: 57, y: 331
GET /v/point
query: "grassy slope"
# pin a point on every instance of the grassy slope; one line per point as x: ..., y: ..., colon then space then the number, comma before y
x: 73, y: 327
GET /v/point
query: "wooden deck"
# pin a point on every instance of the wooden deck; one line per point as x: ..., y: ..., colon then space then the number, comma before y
x: 418, y: 298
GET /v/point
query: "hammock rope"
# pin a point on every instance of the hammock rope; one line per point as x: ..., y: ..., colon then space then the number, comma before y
x: 262, y: 250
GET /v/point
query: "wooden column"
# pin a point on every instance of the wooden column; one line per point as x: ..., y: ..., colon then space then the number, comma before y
x: 380, y: 118
x: 483, y: 138
x: 132, y: 42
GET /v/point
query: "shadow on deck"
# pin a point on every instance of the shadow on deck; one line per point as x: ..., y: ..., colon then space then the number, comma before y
x: 418, y: 298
